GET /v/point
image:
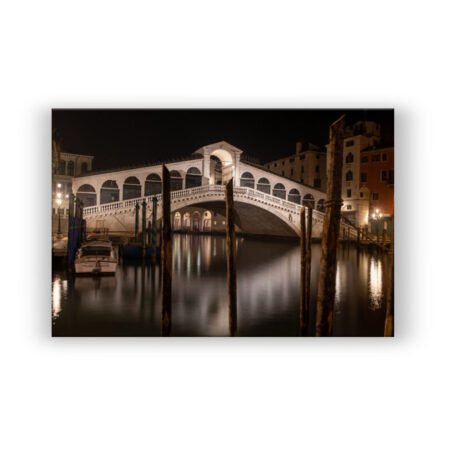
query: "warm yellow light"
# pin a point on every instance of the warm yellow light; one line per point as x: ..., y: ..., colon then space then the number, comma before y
x: 59, y: 185
x: 59, y: 201
x: 67, y: 195
x: 58, y: 194
x: 377, y: 210
x: 373, y: 216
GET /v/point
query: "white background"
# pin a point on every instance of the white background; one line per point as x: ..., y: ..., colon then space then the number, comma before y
x: 221, y: 393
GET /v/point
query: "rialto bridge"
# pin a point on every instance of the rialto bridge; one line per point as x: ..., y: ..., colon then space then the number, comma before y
x: 265, y: 203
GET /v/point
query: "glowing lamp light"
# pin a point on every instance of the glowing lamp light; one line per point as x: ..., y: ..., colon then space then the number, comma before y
x: 373, y: 216
x: 67, y: 195
x: 59, y: 185
x: 377, y: 210
x: 58, y: 194
x: 59, y: 201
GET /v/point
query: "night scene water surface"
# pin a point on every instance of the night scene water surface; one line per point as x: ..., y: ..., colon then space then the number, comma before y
x: 268, y: 274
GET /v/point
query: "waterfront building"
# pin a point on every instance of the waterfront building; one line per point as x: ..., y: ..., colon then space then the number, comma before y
x: 66, y: 167
x: 307, y: 165
x: 377, y: 182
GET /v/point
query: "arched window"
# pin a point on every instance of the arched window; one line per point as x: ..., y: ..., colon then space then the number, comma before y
x: 294, y: 196
x: 206, y: 221
x: 176, y: 180
x: 62, y: 167
x: 263, y: 185
x: 308, y: 201
x: 153, y: 184
x: 321, y: 205
x: 177, y: 221
x: 109, y: 192
x: 196, y: 221
x: 349, y: 158
x: 193, y: 177
x: 279, y: 191
x: 131, y: 188
x: 86, y: 193
x: 247, y: 180
x: 186, y: 221
x: 70, y: 168
x: 349, y: 176
x: 84, y: 167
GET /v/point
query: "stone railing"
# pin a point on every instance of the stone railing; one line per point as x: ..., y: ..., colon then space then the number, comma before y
x: 239, y: 192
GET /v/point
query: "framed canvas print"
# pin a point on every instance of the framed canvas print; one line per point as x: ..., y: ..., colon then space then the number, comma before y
x: 226, y: 222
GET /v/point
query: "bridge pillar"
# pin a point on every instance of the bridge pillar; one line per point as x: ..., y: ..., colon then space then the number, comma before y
x: 206, y: 169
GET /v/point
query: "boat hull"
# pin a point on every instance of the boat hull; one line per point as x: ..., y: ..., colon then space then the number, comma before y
x: 95, y: 268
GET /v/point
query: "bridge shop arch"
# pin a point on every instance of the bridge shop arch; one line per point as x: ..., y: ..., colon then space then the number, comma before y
x: 86, y: 193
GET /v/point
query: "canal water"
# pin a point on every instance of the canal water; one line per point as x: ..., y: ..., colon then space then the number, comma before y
x: 129, y: 303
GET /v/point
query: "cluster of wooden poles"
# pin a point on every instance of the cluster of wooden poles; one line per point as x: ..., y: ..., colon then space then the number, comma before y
x: 328, y: 260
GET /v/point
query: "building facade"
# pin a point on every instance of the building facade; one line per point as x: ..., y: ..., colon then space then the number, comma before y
x: 377, y: 182
x: 69, y: 166
x: 308, y: 165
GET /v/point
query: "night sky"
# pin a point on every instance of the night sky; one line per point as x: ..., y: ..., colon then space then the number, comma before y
x: 129, y: 137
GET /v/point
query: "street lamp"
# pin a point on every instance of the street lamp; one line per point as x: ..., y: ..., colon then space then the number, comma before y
x: 58, y: 202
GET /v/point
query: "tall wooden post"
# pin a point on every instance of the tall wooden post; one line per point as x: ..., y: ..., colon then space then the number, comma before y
x: 384, y: 238
x: 231, y: 260
x: 144, y: 227
x: 136, y: 220
x: 389, y: 320
x: 330, y: 235
x: 153, y: 238
x: 308, y: 261
x: 303, y: 320
x: 166, y: 256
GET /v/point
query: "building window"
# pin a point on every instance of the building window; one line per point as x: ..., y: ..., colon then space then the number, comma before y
x: 317, y: 183
x: 349, y: 143
x: 302, y: 169
x: 317, y: 169
x: 302, y: 157
x: 282, y: 173
x: 363, y: 177
x: 70, y: 168
x: 349, y: 192
x: 291, y: 160
x: 349, y: 176
x: 292, y: 172
x: 361, y: 194
x: 62, y: 167
x: 365, y: 159
x: 317, y: 156
x: 376, y: 157
x: 391, y: 177
x: 282, y: 163
x: 349, y: 158
x: 275, y: 165
x: 349, y: 207
x: 375, y: 196
x: 84, y: 167
x: 383, y: 175
x: 384, y: 157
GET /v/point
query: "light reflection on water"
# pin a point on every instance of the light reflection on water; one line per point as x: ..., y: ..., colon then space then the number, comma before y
x: 129, y: 304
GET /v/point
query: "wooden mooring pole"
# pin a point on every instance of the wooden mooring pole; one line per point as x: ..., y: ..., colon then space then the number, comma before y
x: 153, y: 234
x: 231, y: 260
x: 144, y: 228
x: 303, y: 314
x: 308, y: 260
x: 330, y: 234
x: 389, y: 320
x: 166, y: 256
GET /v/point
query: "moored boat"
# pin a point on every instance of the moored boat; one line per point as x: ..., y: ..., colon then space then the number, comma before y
x: 96, y: 257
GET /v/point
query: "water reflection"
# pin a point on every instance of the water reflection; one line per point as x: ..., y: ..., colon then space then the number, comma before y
x: 375, y: 284
x: 129, y: 304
